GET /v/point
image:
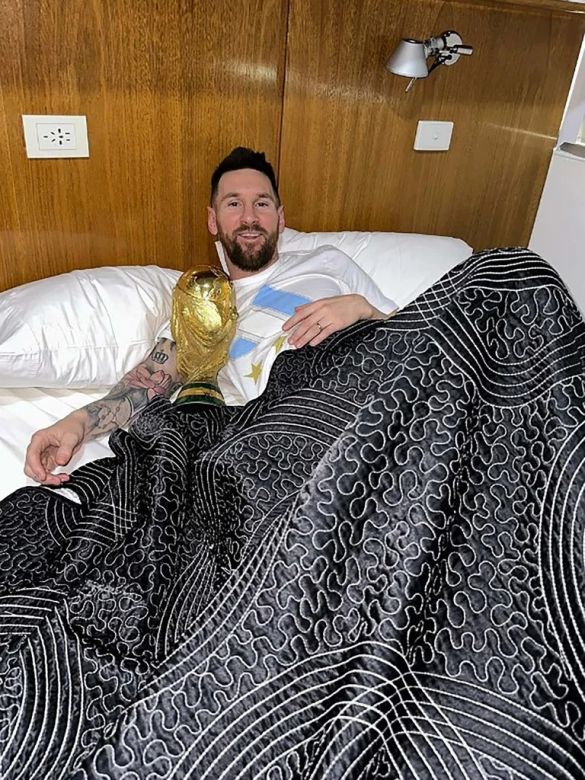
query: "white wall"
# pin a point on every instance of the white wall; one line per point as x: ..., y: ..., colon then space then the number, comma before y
x: 574, y: 115
x: 559, y: 229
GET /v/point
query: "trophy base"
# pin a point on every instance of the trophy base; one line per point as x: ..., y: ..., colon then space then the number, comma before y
x: 197, y: 393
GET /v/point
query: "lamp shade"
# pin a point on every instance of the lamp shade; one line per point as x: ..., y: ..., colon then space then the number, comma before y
x: 409, y: 59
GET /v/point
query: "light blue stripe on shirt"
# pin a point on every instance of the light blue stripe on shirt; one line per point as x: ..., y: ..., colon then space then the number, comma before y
x: 241, y: 346
x: 278, y: 300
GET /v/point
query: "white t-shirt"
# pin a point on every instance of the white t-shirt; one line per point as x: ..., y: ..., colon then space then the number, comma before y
x: 267, y: 299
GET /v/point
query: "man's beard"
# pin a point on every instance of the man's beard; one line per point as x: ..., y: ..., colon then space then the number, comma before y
x: 249, y: 260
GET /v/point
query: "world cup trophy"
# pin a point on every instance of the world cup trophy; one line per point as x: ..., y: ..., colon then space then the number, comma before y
x: 203, y: 323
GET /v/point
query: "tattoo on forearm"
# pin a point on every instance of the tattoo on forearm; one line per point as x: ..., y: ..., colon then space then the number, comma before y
x: 104, y: 416
x: 133, y: 392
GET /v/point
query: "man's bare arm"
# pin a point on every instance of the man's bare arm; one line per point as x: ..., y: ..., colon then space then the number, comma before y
x: 157, y: 376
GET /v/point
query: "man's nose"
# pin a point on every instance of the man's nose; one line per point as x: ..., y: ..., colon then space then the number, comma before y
x: 248, y: 214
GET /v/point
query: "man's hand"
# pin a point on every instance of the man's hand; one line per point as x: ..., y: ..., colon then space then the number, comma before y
x: 313, y: 322
x: 52, y: 447
x: 156, y: 376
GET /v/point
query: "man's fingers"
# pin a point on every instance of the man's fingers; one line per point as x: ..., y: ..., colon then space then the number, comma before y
x: 301, y: 313
x: 56, y: 479
x: 68, y: 446
x: 322, y: 335
x: 44, y: 475
x: 313, y: 334
x: 303, y: 333
x: 291, y: 322
x: 45, y: 454
x: 34, y: 472
x: 63, y: 455
x: 33, y: 466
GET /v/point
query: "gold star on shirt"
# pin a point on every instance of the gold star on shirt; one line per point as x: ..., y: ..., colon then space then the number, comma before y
x: 255, y: 371
x: 279, y: 344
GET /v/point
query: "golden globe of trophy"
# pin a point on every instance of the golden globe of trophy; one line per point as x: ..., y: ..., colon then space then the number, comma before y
x: 203, y: 323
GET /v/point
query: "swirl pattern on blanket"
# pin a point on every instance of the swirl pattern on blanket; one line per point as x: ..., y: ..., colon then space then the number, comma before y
x: 375, y: 570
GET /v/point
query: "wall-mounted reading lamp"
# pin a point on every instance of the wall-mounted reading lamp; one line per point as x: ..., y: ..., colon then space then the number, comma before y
x: 410, y: 57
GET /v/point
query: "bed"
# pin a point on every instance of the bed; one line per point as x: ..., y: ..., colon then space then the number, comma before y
x: 374, y: 570
x: 66, y: 340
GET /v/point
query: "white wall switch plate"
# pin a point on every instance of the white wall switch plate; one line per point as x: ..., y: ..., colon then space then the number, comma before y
x: 433, y: 136
x: 55, y: 135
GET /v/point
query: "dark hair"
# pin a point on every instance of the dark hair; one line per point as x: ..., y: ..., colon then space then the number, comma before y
x: 242, y: 157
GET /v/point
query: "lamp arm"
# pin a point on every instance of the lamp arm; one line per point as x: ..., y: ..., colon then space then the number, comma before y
x: 446, y: 49
x: 462, y: 49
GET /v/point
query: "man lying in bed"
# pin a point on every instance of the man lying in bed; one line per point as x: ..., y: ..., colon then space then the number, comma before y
x: 283, y: 301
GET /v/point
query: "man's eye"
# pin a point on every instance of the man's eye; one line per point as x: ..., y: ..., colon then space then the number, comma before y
x: 263, y: 203
x: 233, y: 203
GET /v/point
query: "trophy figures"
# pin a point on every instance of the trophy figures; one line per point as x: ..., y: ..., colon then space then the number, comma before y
x: 203, y: 323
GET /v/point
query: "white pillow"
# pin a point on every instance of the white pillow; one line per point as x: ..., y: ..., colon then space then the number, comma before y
x: 403, y: 265
x: 84, y: 328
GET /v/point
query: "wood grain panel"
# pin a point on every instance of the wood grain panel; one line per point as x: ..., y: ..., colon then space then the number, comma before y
x: 563, y: 6
x: 168, y: 88
x: 352, y: 125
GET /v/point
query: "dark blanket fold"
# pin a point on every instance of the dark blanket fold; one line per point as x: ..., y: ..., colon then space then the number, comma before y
x: 373, y: 571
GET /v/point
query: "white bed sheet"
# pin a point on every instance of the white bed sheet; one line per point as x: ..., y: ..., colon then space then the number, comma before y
x: 22, y: 412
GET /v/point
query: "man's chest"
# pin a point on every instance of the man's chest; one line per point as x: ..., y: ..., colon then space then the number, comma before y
x: 262, y: 312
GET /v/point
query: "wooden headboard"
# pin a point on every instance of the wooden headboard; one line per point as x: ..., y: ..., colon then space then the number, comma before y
x: 170, y: 86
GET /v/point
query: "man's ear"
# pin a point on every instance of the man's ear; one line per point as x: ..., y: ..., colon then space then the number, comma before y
x: 281, y: 222
x: 211, y: 221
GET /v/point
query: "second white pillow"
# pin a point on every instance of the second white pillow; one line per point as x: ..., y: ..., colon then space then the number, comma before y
x: 82, y: 329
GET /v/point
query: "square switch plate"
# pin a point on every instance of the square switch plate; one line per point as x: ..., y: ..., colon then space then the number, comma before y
x: 433, y: 136
x: 55, y: 135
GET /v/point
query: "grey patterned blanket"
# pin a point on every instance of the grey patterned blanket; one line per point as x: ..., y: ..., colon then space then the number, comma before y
x: 375, y: 570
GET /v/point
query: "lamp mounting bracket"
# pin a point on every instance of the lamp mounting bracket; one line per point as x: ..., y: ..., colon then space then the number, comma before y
x: 452, y: 40
x: 446, y: 48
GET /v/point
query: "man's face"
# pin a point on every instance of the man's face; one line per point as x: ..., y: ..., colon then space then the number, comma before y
x: 247, y: 220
